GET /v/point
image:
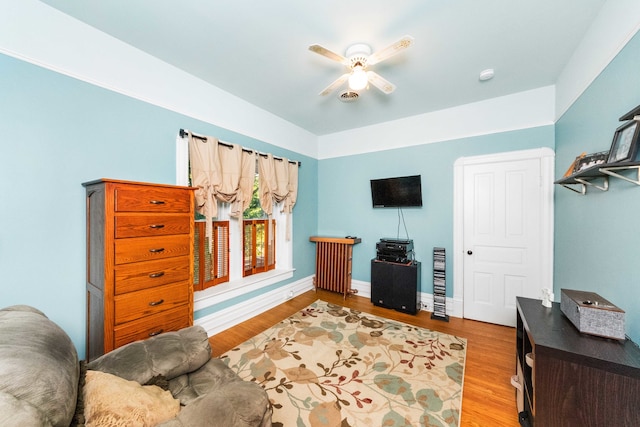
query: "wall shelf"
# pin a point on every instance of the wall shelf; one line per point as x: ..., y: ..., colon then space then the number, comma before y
x: 612, y: 171
x: 598, y: 177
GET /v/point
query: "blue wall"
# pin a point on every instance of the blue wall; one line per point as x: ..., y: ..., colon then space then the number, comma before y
x: 345, y: 206
x: 58, y: 132
x: 596, y: 238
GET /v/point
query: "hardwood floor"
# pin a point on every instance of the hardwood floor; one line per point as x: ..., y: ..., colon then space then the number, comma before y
x: 488, y: 397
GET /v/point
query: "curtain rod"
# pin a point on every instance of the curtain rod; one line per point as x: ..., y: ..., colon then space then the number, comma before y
x: 183, y: 134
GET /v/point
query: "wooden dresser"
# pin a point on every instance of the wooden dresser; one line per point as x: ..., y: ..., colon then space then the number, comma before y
x: 139, y: 262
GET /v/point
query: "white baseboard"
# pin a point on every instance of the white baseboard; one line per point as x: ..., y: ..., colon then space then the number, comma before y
x: 363, y: 288
x: 238, y: 313
x: 228, y: 317
x: 454, y: 307
x: 226, y: 291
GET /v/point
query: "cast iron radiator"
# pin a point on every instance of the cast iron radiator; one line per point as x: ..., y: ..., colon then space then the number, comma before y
x: 333, y: 263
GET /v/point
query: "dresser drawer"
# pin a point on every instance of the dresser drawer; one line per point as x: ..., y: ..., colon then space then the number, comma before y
x: 141, y: 198
x: 142, y: 275
x: 136, y: 249
x: 171, y: 320
x: 144, y: 225
x: 135, y: 305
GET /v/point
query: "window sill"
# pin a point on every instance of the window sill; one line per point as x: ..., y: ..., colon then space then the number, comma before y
x: 229, y: 290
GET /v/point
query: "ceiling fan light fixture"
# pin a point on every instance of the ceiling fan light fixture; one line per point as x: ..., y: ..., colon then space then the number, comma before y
x: 358, y: 79
x: 358, y: 60
x: 348, y: 96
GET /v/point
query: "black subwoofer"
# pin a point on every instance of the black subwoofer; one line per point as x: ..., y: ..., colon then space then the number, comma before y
x: 396, y: 286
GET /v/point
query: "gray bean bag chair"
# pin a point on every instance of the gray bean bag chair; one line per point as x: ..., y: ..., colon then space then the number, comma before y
x: 39, y: 370
x: 40, y: 376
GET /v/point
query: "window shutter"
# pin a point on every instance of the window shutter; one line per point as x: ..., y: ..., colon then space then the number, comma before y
x: 211, y: 268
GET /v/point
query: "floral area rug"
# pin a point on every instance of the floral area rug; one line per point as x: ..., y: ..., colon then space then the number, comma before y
x: 333, y: 366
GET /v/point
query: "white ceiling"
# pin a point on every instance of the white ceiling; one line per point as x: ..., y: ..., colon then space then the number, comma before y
x: 258, y: 50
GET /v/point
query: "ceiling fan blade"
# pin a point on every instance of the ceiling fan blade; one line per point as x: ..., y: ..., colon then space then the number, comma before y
x: 381, y: 83
x: 328, y: 54
x: 336, y: 84
x: 391, y: 50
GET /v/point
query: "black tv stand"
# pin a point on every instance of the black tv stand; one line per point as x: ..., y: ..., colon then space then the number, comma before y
x: 396, y: 286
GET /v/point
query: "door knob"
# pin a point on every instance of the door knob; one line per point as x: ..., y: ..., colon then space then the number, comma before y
x: 469, y: 252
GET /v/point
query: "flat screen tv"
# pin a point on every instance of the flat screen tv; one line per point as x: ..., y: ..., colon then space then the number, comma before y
x: 398, y: 192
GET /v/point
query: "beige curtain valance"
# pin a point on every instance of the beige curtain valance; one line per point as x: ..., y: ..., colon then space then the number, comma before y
x: 225, y: 172
x: 278, y: 182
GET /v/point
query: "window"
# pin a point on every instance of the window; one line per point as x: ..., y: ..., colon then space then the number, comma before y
x: 259, y: 246
x: 229, y: 271
x: 211, y: 267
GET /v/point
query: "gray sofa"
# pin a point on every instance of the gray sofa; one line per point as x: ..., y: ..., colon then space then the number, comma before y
x: 41, y: 378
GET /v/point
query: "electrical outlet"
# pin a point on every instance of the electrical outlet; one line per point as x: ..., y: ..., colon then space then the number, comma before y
x: 288, y: 295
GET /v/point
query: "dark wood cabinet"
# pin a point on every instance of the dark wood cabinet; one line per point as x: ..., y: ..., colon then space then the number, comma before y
x: 573, y: 379
x: 395, y: 285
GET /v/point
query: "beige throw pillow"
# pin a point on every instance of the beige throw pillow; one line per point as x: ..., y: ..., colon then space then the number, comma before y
x: 111, y: 401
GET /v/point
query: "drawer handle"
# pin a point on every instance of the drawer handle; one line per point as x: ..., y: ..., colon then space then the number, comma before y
x: 158, y: 332
x: 156, y: 250
x: 155, y: 303
x: 156, y: 202
x: 156, y: 275
x: 156, y: 226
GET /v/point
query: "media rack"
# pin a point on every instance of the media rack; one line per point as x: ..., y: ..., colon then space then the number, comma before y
x: 439, y: 285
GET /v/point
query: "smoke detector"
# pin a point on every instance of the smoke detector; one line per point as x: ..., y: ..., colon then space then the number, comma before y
x: 486, y: 75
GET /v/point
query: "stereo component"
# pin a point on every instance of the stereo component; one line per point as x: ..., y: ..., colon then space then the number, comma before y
x: 395, y: 250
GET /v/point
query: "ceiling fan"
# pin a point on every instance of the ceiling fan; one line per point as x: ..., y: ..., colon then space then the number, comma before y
x: 358, y: 59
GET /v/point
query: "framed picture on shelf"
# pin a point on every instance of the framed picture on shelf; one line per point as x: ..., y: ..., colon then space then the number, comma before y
x: 591, y: 160
x: 625, y: 142
x: 631, y: 114
x: 572, y: 169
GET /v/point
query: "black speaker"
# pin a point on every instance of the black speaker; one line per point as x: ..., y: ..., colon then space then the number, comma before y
x: 396, y: 286
x: 381, y: 284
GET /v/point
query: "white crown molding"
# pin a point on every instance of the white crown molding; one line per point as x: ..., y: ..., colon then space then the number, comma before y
x: 40, y: 34
x: 34, y: 32
x: 522, y: 110
x: 617, y: 22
